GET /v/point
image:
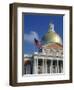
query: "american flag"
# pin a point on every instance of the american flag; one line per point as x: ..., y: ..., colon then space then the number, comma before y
x: 37, y: 43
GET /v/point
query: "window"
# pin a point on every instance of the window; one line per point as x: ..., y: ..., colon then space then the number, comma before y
x: 40, y: 66
x: 49, y: 66
x: 60, y: 63
x: 54, y: 70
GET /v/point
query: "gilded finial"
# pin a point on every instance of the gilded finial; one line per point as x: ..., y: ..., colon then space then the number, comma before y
x: 51, y: 27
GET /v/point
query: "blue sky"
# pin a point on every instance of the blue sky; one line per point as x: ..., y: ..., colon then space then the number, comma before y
x: 39, y: 24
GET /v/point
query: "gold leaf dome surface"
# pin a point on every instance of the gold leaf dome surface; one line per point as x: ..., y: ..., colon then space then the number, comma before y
x: 51, y: 36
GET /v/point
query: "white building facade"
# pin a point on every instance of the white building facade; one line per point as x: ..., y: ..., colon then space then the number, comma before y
x: 49, y: 59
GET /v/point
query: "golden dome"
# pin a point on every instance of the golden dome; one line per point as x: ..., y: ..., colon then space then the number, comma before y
x: 51, y: 36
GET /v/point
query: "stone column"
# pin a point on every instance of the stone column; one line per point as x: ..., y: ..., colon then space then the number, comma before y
x: 57, y: 66
x: 35, y: 66
x: 43, y: 66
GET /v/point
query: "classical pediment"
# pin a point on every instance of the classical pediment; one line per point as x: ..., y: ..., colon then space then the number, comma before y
x: 54, y: 45
x: 53, y: 50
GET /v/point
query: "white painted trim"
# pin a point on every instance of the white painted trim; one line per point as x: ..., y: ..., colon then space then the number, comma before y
x: 47, y: 77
